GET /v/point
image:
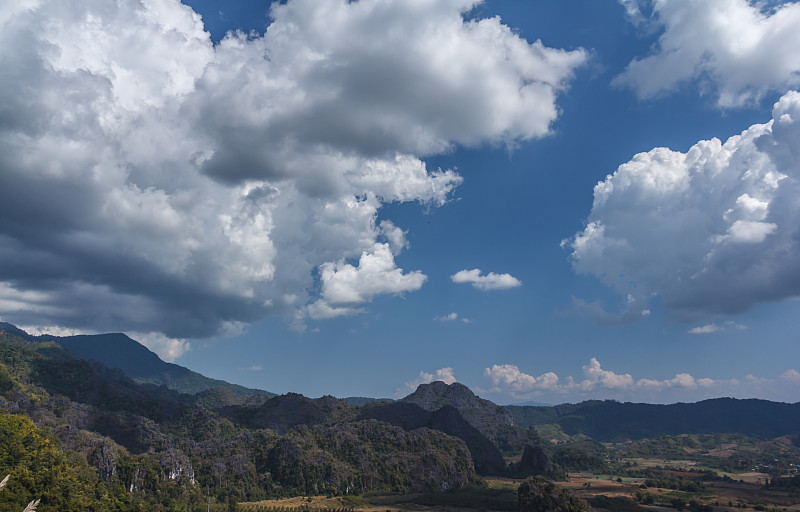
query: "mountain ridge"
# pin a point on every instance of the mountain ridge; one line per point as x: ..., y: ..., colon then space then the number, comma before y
x: 146, y: 445
x: 118, y: 350
x: 609, y: 420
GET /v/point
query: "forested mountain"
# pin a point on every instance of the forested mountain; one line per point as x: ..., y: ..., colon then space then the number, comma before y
x: 492, y: 420
x: 125, y: 444
x: 484, y: 415
x: 487, y: 458
x: 615, y: 421
x: 145, y: 447
x: 116, y: 350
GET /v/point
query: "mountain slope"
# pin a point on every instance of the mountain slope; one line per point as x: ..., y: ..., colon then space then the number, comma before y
x: 160, y: 450
x: 116, y: 350
x: 487, y: 458
x: 482, y: 414
x: 610, y: 420
x: 492, y: 420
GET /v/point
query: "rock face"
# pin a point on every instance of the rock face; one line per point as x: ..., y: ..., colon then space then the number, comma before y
x: 486, y: 457
x: 155, y: 447
x: 534, y: 462
x: 489, y: 418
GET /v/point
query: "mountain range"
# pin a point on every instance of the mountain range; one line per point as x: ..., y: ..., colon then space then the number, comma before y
x: 117, y: 350
x: 151, y: 431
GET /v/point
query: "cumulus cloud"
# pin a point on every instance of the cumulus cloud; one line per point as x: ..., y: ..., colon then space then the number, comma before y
x: 490, y: 281
x: 442, y: 374
x: 681, y: 380
x: 711, y: 231
x: 168, y: 349
x: 792, y: 376
x: 598, y: 382
x: 713, y: 327
x: 736, y: 50
x: 508, y: 377
x: 596, y: 376
x: 344, y: 285
x: 705, y: 329
x: 151, y: 181
x: 452, y: 317
x: 447, y: 318
x: 633, y: 11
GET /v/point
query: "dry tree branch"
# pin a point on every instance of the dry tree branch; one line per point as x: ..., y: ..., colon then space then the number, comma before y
x: 32, y: 506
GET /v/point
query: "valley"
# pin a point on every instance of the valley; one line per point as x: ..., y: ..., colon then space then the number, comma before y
x: 81, y: 433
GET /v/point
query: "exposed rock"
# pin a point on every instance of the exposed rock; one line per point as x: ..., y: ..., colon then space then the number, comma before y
x: 486, y: 416
x: 534, y: 462
x: 487, y: 459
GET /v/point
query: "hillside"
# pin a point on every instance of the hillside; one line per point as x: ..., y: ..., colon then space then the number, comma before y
x: 482, y: 414
x: 492, y: 420
x: 487, y: 458
x: 116, y: 350
x: 144, y: 447
x: 615, y: 421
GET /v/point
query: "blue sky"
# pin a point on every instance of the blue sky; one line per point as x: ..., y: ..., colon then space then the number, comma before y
x: 366, y: 196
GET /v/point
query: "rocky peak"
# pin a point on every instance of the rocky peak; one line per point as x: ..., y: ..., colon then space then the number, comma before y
x: 482, y: 414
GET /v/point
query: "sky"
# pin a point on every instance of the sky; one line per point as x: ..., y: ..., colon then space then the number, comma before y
x: 547, y: 201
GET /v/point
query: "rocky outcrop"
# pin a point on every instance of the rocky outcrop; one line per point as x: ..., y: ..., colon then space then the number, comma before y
x: 487, y: 458
x: 488, y: 417
x: 534, y: 462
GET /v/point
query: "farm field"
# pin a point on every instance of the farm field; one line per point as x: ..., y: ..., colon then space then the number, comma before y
x: 603, y: 492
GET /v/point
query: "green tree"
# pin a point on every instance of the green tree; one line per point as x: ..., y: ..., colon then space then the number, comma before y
x: 540, y: 495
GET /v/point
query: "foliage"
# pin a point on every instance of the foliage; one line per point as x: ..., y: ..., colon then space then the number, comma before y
x: 540, y: 495
x: 725, y: 452
x: 40, y: 471
x: 584, y: 455
x: 475, y: 497
x: 104, y: 442
x: 609, y: 420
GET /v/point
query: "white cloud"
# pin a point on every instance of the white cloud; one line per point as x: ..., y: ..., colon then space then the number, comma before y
x: 442, y: 374
x: 597, y: 382
x: 595, y: 377
x: 705, y: 329
x: 452, y: 317
x: 40, y: 330
x: 713, y: 327
x: 736, y: 49
x: 395, y: 236
x: 184, y: 186
x: 681, y: 380
x: 168, y: 349
x: 490, y: 281
x: 344, y: 286
x: 509, y: 378
x: 711, y: 231
x: 447, y: 318
x: 792, y: 376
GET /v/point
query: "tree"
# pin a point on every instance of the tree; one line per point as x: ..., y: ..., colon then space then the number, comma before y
x: 540, y: 495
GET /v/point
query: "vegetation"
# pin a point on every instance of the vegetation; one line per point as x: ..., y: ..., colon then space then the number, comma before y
x: 79, y: 435
x: 85, y: 437
x: 540, y: 495
x: 609, y: 420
